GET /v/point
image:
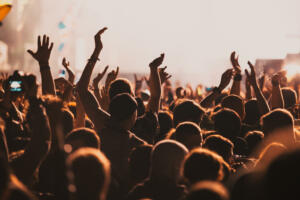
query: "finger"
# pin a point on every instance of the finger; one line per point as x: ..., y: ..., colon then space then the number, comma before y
x: 51, y: 46
x: 232, y: 57
x: 247, y: 73
x: 105, y: 69
x: 164, y: 68
x: 101, y: 31
x: 44, y: 40
x: 30, y: 52
x: 39, y: 42
x: 251, y: 66
x: 168, y: 77
x: 64, y: 61
x: 47, y: 41
x: 117, y: 71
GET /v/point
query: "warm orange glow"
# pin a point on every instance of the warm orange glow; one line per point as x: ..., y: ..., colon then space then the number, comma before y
x: 4, y: 10
x: 292, y: 69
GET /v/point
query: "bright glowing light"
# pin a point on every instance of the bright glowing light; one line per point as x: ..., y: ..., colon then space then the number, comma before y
x: 4, y: 10
x: 292, y: 69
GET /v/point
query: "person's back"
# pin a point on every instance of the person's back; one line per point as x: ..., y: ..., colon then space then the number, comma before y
x: 166, y: 160
x: 116, y: 139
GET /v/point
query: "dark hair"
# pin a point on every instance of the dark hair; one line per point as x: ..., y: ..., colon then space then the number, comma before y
x: 208, y: 190
x: 235, y: 103
x: 165, y: 120
x: 91, y: 171
x: 252, y: 112
x: 139, y: 162
x: 119, y: 86
x: 289, y: 97
x: 122, y: 106
x: 87, y: 136
x: 145, y: 127
x: 188, y: 110
x: 277, y: 119
x: 202, y: 164
x: 140, y: 106
x: 227, y: 123
x: 189, y: 134
x: 253, y: 138
x: 220, y: 145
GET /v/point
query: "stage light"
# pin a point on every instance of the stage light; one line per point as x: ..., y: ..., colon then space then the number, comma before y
x: 4, y: 10
x: 292, y: 69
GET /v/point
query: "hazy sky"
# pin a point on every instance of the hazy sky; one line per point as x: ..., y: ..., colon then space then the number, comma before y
x: 197, y: 36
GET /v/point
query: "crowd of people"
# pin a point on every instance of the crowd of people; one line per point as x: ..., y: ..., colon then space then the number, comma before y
x: 86, y: 141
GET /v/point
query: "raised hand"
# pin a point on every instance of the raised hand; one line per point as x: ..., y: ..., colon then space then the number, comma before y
x: 276, y: 79
x: 111, y: 76
x: 164, y: 76
x: 157, y: 61
x: 43, y: 52
x: 252, y: 76
x: 225, y: 80
x: 98, y: 42
x: 235, y: 62
x: 99, y: 77
x: 71, y: 74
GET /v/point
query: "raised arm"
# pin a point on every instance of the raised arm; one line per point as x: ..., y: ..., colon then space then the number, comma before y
x: 277, y: 98
x: 208, y: 101
x: 42, y: 55
x: 71, y: 74
x: 37, y: 149
x: 96, y: 82
x: 248, y: 88
x: 262, y: 102
x: 236, y: 85
x: 155, y: 85
x: 89, y: 102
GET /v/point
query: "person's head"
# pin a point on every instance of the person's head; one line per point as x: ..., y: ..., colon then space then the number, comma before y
x: 253, y: 138
x: 208, y: 190
x: 166, y: 161
x: 145, y: 127
x: 282, y: 177
x: 139, y: 162
x: 68, y: 121
x: 189, y: 134
x: 279, y: 121
x: 220, y: 145
x: 120, y: 86
x: 180, y: 92
x: 235, y: 103
x: 123, y: 110
x: 165, y: 120
x: 227, y: 123
x: 91, y: 170
x: 141, y: 107
x: 269, y: 153
x: 187, y: 110
x: 203, y: 164
x: 289, y: 97
x: 82, y: 137
x: 252, y: 112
